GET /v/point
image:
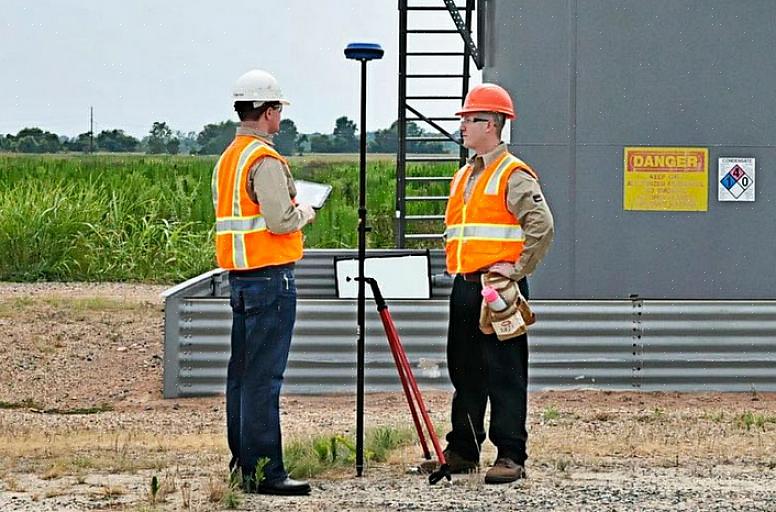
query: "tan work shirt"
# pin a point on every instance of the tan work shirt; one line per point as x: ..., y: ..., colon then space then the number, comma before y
x: 270, y: 184
x: 527, y: 203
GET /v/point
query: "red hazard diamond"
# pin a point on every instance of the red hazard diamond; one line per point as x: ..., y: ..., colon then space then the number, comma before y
x: 737, y: 172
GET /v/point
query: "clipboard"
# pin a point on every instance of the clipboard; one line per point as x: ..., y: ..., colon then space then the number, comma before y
x: 314, y: 194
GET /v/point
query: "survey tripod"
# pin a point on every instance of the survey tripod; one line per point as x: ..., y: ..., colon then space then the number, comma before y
x: 410, y: 385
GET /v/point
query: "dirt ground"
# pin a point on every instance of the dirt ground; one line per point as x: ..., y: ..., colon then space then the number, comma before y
x: 83, y: 426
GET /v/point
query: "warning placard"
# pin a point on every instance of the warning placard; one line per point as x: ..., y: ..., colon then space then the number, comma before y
x: 666, y: 179
x: 735, y: 179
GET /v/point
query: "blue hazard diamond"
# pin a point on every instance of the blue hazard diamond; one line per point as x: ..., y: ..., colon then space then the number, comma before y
x: 728, y: 181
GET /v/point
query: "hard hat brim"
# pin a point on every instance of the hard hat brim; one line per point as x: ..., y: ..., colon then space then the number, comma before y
x: 263, y: 100
x: 466, y: 111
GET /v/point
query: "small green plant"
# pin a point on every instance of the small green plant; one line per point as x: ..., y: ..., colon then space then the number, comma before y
x: 658, y: 413
x: 231, y: 499
x: 550, y: 413
x: 258, y: 473
x: 321, y: 446
x: 154, y: 489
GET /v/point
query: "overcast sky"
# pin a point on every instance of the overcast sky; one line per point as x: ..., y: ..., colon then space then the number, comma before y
x: 142, y: 61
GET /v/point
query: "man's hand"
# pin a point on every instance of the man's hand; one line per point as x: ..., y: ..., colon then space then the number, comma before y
x: 308, y: 212
x: 503, y: 268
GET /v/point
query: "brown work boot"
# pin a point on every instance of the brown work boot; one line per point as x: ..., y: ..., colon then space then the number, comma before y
x: 504, y: 471
x: 455, y: 462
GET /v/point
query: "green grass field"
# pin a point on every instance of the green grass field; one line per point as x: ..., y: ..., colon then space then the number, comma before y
x: 150, y: 218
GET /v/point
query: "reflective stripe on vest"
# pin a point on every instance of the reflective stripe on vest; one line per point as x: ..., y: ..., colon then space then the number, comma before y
x: 240, y: 224
x: 492, y: 232
x: 507, y: 163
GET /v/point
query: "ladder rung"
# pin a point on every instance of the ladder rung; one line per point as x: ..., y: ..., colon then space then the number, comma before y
x: 426, y: 198
x: 430, y: 8
x: 428, y: 139
x: 433, y: 119
x: 434, y: 97
x: 423, y: 236
x: 435, y: 54
x: 424, y: 217
x: 428, y: 178
x: 434, y: 75
x: 431, y: 159
x: 432, y: 31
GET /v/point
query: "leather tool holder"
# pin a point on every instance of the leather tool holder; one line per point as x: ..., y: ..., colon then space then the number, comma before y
x: 515, y: 319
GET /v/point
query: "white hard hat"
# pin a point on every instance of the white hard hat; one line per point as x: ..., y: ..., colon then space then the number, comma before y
x: 257, y: 86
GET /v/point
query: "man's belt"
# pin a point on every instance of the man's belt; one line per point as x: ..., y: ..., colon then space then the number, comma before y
x: 473, y: 277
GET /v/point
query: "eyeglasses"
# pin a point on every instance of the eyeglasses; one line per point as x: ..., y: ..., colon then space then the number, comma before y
x: 278, y: 107
x: 470, y: 120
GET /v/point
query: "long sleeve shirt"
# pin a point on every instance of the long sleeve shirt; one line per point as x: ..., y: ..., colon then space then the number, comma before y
x: 271, y: 185
x: 527, y: 203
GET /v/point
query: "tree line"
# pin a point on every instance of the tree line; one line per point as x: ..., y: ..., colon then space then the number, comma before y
x: 213, y: 139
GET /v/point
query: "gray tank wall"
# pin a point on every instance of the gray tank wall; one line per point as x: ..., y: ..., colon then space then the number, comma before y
x: 590, y: 77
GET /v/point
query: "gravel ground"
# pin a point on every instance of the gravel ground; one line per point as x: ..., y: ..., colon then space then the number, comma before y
x: 577, y: 489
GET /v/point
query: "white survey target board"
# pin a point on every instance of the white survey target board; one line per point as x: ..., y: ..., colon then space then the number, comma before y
x: 399, y: 277
x: 735, y: 179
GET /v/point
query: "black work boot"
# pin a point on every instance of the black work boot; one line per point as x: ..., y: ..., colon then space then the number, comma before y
x: 456, y: 463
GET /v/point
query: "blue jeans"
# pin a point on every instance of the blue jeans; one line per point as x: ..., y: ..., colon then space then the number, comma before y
x: 264, y: 310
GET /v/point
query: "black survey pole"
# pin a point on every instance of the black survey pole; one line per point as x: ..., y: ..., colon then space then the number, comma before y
x: 363, y: 52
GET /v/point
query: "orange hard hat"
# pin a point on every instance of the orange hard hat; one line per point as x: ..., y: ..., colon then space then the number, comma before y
x: 488, y: 98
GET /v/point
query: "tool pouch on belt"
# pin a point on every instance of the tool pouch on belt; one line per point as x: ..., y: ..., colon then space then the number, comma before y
x: 514, y: 320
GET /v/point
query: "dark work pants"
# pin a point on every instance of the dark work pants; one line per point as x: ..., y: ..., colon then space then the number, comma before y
x: 483, y: 368
x: 263, y: 313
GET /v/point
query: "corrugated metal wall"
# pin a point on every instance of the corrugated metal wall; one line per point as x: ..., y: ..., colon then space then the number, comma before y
x: 590, y: 77
x: 633, y: 344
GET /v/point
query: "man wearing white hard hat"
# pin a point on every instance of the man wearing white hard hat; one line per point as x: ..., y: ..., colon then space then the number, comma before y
x: 258, y: 240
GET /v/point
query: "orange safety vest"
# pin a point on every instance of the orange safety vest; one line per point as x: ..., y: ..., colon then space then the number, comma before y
x: 242, y: 238
x: 482, y: 231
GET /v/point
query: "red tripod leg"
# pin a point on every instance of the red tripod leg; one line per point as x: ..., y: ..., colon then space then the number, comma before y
x: 392, y: 339
x: 414, y: 386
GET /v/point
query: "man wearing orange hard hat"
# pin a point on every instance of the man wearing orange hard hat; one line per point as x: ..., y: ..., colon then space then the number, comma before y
x: 498, y: 227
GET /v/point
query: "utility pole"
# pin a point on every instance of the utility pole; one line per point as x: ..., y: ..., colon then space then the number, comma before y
x: 91, y: 129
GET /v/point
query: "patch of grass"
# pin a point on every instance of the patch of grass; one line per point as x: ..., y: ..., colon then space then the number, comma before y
x: 750, y: 419
x: 27, y: 403
x: 382, y: 440
x: 86, y: 304
x: 305, y: 458
x: 53, y: 493
x: 550, y: 413
x: 716, y: 417
x: 13, y: 485
x: 56, y: 470
x: 95, y: 409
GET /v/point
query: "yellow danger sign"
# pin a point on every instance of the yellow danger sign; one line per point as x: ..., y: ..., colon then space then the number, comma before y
x: 666, y: 179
